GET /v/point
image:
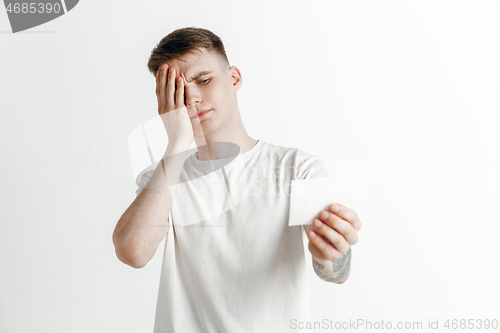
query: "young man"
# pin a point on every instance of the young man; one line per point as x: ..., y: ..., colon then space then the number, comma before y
x: 231, y: 262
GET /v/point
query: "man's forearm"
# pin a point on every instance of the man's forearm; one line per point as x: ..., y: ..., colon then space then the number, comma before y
x: 145, y: 223
x: 336, y: 271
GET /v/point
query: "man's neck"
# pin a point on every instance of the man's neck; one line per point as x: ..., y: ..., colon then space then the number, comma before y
x: 206, y: 151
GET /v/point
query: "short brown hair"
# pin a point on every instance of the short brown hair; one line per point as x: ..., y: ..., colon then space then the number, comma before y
x: 186, y: 40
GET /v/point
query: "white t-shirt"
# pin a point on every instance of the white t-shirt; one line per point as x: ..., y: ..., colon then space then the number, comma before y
x: 231, y: 262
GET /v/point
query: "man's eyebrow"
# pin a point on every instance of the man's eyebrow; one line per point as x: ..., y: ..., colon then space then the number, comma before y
x: 200, y: 74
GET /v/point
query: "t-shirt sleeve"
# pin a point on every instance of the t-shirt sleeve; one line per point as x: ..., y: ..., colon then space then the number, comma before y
x: 310, y: 167
x: 143, y: 181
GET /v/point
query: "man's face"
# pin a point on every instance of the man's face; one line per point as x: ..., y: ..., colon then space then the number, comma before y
x: 209, y: 87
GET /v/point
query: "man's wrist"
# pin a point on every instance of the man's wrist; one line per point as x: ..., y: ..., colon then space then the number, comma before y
x: 333, y: 270
x: 177, y: 146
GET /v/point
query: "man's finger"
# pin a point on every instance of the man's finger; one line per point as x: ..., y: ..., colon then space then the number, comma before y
x: 162, y: 87
x: 343, y: 227
x: 347, y: 214
x: 336, y: 239
x: 171, y: 89
x: 158, y: 90
x: 324, y: 246
x: 179, y: 93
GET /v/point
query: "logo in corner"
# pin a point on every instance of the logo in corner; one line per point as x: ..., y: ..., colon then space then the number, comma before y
x: 26, y: 15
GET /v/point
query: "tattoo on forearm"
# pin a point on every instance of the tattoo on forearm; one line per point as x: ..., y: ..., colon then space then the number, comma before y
x: 340, y: 268
x: 317, y: 268
x: 342, y: 265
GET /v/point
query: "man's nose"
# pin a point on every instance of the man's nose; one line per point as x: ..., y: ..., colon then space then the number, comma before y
x: 192, y: 95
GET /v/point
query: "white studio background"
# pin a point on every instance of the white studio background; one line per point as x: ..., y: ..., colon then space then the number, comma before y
x: 399, y: 98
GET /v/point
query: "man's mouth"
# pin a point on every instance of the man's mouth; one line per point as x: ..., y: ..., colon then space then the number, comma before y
x: 201, y: 114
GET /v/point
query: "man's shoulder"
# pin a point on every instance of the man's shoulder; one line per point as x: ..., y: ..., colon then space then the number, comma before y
x: 279, y: 149
x: 290, y: 152
x: 302, y: 162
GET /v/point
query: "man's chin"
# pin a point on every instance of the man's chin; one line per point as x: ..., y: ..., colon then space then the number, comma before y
x: 205, y: 134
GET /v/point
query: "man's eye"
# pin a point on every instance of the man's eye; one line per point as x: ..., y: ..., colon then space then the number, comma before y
x: 204, y: 81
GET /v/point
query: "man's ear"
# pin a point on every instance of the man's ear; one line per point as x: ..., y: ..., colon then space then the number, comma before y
x: 235, y: 77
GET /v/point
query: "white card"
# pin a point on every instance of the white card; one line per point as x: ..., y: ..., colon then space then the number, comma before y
x: 309, y: 197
